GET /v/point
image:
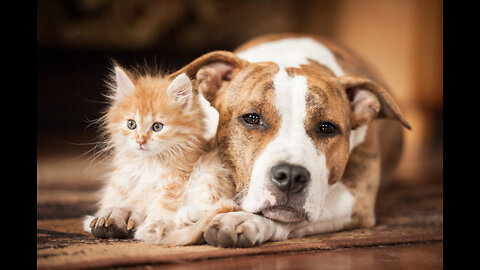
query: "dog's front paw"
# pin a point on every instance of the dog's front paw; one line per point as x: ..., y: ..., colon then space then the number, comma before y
x: 238, y: 229
x: 113, y: 223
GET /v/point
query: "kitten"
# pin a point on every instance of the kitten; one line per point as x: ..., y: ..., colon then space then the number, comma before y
x: 156, y: 131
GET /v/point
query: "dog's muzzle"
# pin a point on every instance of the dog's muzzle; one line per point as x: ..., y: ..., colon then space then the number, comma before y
x: 289, y: 180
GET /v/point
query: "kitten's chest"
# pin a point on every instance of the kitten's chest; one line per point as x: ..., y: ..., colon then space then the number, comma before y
x: 138, y: 178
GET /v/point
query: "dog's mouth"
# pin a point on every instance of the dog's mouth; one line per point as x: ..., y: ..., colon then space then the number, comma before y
x: 284, y: 213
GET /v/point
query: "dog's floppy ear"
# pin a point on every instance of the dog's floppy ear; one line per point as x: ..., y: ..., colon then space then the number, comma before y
x: 211, y: 69
x: 369, y: 100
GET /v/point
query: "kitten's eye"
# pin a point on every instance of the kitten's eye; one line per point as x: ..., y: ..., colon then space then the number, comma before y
x: 327, y: 129
x: 251, y: 118
x: 131, y: 124
x: 157, y: 126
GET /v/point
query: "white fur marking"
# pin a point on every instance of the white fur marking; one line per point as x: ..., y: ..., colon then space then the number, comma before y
x: 86, y: 223
x: 211, y: 117
x: 357, y: 136
x: 290, y: 145
x: 292, y: 52
x: 271, y: 199
x: 337, y: 212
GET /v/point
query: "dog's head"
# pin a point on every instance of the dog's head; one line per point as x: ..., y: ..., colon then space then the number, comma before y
x: 286, y: 133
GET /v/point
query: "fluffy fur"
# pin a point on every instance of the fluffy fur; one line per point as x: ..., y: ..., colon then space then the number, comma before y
x: 161, y: 162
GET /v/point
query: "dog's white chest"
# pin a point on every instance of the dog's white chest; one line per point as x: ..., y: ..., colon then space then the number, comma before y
x: 336, y: 214
x: 292, y: 52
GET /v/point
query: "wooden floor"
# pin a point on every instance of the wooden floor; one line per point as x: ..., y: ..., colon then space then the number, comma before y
x: 409, y: 256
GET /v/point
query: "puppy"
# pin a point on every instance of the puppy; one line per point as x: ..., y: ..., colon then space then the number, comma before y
x: 306, y: 128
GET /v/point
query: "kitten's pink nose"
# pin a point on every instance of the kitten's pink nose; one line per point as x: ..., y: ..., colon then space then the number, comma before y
x: 141, y: 141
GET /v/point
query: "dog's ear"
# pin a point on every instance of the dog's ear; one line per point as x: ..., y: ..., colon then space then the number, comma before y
x: 210, y: 70
x: 369, y: 100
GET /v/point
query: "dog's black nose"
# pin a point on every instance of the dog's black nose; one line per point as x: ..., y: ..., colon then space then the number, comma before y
x: 288, y: 177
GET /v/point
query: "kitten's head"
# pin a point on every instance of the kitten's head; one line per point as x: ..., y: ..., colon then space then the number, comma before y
x: 153, y: 115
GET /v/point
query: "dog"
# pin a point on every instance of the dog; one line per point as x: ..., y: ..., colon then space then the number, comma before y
x: 308, y: 131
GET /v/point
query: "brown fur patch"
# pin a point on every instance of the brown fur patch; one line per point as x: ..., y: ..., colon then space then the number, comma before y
x: 350, y: 63
x: 239, y: 145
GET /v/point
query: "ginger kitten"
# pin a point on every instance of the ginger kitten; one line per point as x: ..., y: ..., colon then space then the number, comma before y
x: 156, y: 131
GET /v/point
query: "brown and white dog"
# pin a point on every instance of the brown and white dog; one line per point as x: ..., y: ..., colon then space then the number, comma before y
x: 296, y: 128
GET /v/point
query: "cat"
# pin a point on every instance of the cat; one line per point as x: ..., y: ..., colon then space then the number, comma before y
x: 165, y: 171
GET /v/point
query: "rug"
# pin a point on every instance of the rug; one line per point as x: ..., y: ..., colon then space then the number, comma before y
x: 66, y: 186
x: 404, y: 215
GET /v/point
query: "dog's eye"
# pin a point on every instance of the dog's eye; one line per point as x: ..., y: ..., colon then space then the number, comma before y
x: 131, y: 124
x: 327, y: 129
x: 252, y: 119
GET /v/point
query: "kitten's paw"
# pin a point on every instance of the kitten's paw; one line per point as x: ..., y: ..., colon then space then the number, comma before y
x: 238, y: 229
x: 188, y: 215
x: 151, y: 232
x: 113, y: 223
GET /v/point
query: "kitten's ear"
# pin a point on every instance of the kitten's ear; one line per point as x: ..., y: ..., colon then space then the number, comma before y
x: 180, y: 89
x: 124, y: 83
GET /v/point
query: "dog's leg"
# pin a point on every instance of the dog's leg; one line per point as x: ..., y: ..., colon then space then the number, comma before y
x: 362, y: 178
x: 243, y: 229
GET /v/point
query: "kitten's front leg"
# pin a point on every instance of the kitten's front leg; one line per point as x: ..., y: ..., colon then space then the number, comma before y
x: 159, y: 217
x: 154, y: 228
x: 188, y: 215
x: 116, y: 217
x: 209, y: 183
x: 114, y: 222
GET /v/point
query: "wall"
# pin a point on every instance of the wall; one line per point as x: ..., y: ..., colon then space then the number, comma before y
x: 403, y: 40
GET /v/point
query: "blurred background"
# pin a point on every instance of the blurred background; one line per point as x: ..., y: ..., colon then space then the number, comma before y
x: 76, y: 40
